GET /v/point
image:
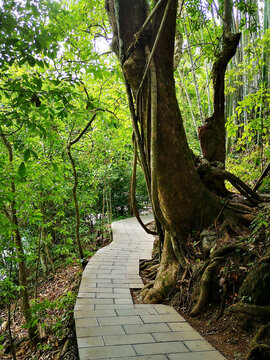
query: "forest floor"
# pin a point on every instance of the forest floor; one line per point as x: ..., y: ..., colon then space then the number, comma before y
x: 55, y: 308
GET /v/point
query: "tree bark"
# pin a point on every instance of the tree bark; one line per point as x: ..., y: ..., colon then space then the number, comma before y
x: 74, y: 189
x: 180, y: 200
x: 212, y: 133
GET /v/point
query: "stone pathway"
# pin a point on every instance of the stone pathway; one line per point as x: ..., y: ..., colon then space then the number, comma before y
x: 110, y: 326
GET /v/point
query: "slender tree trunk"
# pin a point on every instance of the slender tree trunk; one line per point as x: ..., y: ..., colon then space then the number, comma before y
x: 212, y: 133
x: 75, y: 185
x: 38, y: 262
x: 76, y: 204
x: 208, y: 89
x: 10, y: 332
x: 32, y: 329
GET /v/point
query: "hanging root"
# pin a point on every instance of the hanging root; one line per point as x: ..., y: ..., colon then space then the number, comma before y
x: 257, y: 350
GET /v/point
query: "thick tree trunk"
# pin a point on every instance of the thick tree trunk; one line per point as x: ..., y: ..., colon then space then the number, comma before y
x: 180, y: 200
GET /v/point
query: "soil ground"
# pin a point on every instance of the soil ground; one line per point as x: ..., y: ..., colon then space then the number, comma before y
x: 58, y: 335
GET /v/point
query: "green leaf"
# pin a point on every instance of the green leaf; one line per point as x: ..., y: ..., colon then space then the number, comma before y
x: 31, y: 60
x: 27, y: 154
x: 39, y: 84
x: 34, y: 154
x: 22, y: 170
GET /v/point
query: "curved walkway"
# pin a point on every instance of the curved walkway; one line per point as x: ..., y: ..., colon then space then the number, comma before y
x: 110, y: 326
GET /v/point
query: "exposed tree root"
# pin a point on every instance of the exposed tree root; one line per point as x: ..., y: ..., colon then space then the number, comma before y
x: 265, y: 259
x: 211, y: 172
x: 241, y: 208
x: 206, y: 283
x: 257, y: 350
x: 259, y: 182
x: 146, y: 263
x: 224, y: 292
x: 207, y: 277
x: 250, y: 309
x: 166, y: 276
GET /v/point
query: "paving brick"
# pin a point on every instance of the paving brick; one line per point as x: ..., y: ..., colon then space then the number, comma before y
x: 165, y: 309
x: 99, y: 331
x: 206, y: 355
x: 110, y: 276
x: 86, y: 295
x: 182, y: 326
x: 136, y: 286
x: 128, y: 339
x: 146, y: 328
x: 106, y: 352
x: 90, y: 341
x: 84, y: 307
x: 120, y: 320
x: 177, y: 335
x: 86, y: 322
x: 81, y: 314
x: 86, y: 283
x: 198, y: 345
x: 129, y: 312
x: 100, y: 281
x: 113, y: 306
x: 86, y: 288
x: 123, y: 301
x: 161, y: 348
x: 114, y: 285
x: 162, y: 318
x: 121, y: 290
x: 114, y: 295
x: 94, y: 301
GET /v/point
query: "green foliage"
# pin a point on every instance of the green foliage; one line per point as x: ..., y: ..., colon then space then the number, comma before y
x: 42, y: 310
x: 261, y: 226
x: 250, y: 122
x: 249, y: 166
x: 53, y: 77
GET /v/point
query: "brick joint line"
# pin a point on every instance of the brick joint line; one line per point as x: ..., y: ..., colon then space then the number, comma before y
x: 110, y: 327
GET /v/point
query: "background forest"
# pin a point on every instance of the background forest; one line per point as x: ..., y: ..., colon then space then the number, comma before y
x: 66, y: 137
